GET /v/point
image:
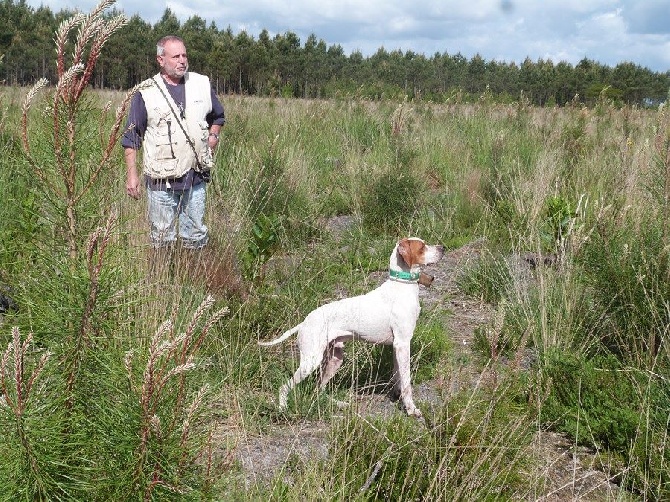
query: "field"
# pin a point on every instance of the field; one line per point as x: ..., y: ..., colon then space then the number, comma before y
x: 540, y: 360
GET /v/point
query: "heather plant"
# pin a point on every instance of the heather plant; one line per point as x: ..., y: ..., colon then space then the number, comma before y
x: 606, y: 404
x: 390, y: 204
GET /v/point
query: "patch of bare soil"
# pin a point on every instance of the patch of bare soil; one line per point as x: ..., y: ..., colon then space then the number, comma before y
x: 564, y: 471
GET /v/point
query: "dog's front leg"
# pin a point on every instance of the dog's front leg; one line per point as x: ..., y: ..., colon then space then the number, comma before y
x: 402, y: 378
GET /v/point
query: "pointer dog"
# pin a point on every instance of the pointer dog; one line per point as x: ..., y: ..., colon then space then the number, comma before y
x: 386, y: 315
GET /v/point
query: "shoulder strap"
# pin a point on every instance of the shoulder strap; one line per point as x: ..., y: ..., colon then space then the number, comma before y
x: 181, y: 126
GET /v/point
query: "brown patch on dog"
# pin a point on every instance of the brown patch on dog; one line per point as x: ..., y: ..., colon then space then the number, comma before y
x: 412, y: 251
x: 426, y: 279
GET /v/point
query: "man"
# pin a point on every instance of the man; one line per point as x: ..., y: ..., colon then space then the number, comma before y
x: 176, y: 118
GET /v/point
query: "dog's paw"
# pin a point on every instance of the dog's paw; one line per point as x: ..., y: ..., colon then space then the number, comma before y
x: 418, y: 416
x: 414, y: 412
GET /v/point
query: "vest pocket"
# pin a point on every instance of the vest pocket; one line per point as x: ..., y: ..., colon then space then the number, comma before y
x: 164, y: 168
x: 164, y: 140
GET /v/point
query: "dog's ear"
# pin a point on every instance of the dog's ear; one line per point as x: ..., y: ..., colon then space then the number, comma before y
x: 411, y: 251
x: 404, y: 250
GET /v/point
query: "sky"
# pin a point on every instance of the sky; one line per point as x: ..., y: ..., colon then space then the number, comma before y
x: 607, y: 31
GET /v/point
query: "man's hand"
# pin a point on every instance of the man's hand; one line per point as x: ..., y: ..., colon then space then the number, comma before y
x: 213, y: 139
x: 133, y: 185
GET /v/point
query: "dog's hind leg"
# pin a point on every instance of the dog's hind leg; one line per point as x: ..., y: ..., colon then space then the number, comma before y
x: 307, y: 365
x: 332, y: 361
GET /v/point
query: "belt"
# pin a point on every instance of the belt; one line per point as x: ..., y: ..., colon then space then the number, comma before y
x: 169, y: 183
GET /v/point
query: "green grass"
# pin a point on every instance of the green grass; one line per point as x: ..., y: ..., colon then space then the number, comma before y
x: 587, y: 187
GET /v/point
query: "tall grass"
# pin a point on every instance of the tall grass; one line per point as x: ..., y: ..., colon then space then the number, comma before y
x: 595, y: 309
x: 129, y: 374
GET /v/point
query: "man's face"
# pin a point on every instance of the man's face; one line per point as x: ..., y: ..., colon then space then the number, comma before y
x: 173, y: 62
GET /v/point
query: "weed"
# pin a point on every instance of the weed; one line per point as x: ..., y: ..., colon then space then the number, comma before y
x: 263, y: 242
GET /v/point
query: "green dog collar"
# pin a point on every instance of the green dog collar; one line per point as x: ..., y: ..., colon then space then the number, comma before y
x: 404, y: 276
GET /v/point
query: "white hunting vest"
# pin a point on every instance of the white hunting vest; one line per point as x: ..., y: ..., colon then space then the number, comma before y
x: 166, y: 152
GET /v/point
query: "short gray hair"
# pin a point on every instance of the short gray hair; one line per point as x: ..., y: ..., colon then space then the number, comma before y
x: 160, y: 46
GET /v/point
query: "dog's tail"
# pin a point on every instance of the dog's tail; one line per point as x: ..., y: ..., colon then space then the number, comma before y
x: 281, y: 338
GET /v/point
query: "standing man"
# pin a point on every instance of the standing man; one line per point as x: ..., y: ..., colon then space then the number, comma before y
x: 176, y: 118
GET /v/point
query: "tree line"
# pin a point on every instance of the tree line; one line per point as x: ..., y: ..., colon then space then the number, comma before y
x: 281, y: 65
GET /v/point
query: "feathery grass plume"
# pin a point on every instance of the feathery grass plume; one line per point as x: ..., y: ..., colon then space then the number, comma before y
x: 16, y: 395
x: 25, y: 106
x: 211, y: 321
x: 204, y: 306
x: 168, y: 357
x: 156, y: 349
x: 104, y: 30
x: 95, y: 253
x: 190, y: 413
x: 66, y: 81
x: 16, y: 389
x: 94, y: 30
x: 61, y: 39
x: 89, y: 26
x: 147, y: 402
x: 192, y: 343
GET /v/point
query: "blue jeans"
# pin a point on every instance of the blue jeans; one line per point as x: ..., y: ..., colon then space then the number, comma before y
x: 168, y: 208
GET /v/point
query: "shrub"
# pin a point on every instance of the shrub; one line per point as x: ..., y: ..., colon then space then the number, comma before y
x: 600, y: 402
x: 390, y: 201
x: 627, y: 271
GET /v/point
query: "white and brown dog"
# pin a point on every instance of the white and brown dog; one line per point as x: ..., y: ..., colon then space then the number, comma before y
x: 386, y: 315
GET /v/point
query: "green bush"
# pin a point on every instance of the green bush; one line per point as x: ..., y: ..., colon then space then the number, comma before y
x: 627, y: 272
x: 390, y: 201
x: 600, y: 402
x: 591, y: 400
